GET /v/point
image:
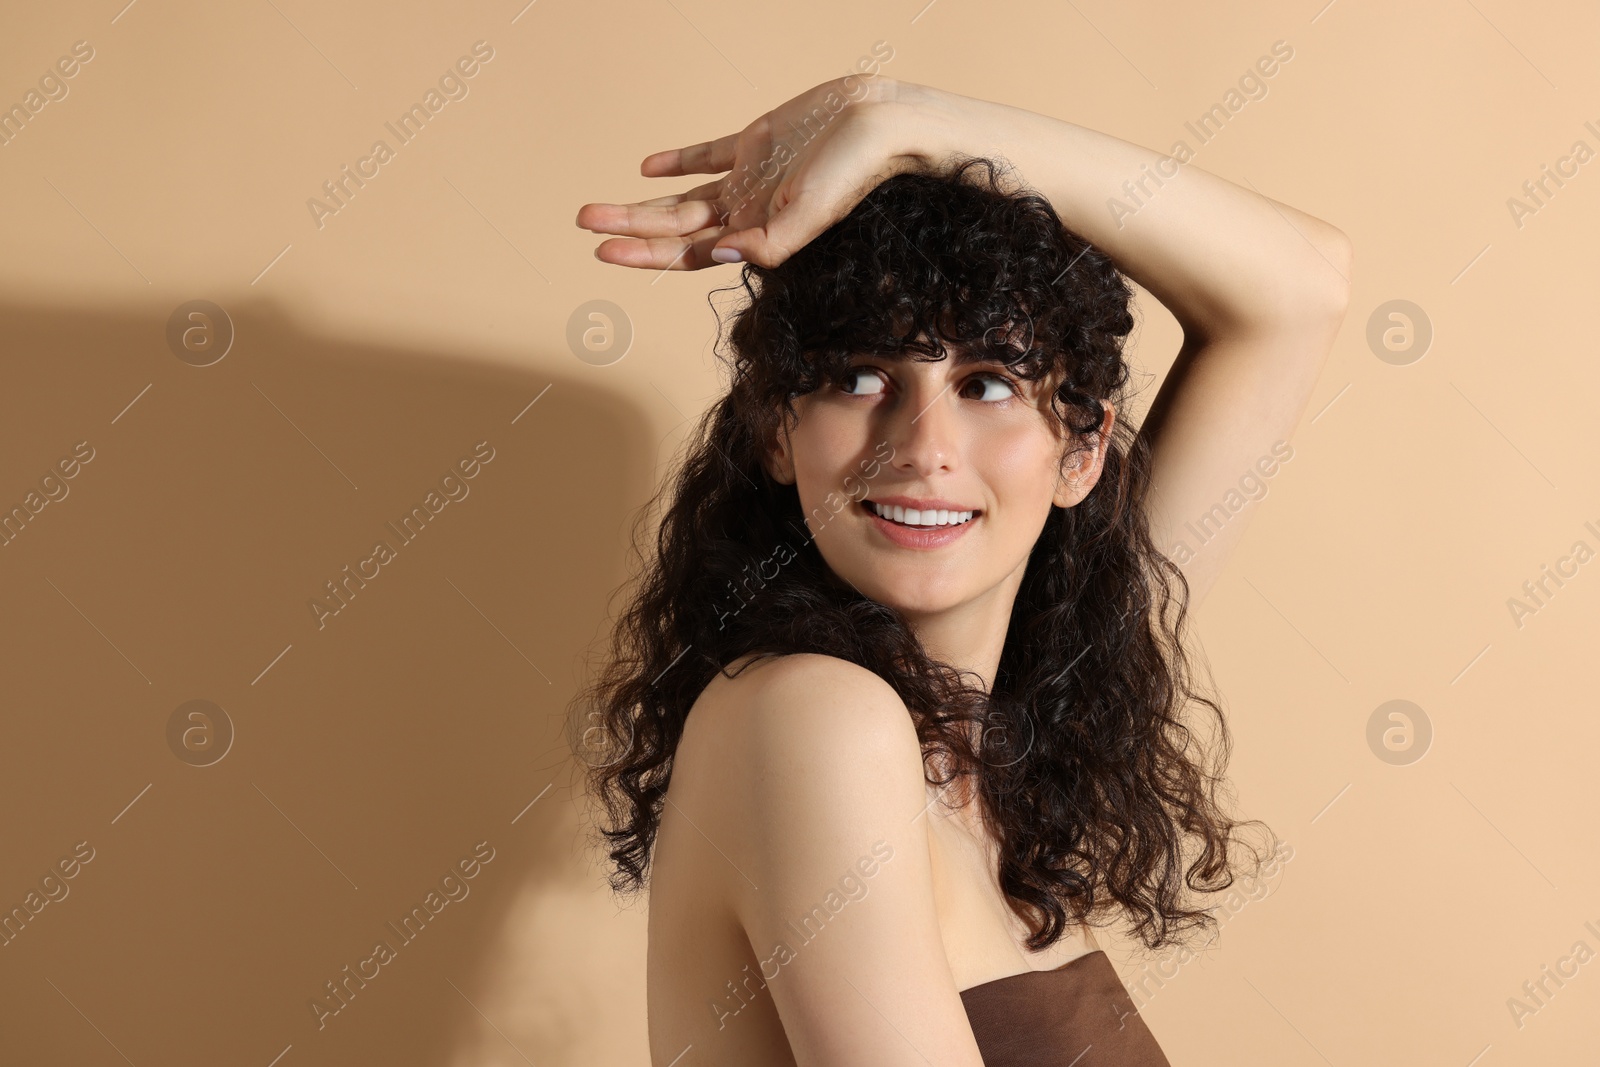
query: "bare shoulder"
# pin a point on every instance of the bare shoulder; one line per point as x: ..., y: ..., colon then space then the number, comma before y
x: 788, y: 698
x: 786, y: 734
x: 821, y: 801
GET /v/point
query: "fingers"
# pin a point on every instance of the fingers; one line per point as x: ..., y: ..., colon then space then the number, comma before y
x: 707, y: 157
x: 797, y: 211
x: 754, y: 245
x: 667, y: 216
x: 708, y: 191
x: 790, y: 225
x: 771, y: 244
x: 683, y: 252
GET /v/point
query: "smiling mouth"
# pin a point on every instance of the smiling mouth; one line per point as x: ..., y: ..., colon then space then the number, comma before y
x: 915, y: 520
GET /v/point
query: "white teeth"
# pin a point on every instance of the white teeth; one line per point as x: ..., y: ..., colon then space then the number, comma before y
x: 912, y: 517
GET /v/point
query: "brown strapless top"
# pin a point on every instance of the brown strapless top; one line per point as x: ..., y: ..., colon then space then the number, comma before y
x: 1078, y: 1014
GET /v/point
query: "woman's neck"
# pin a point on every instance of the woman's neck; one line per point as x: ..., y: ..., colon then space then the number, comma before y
x: 970, y: 637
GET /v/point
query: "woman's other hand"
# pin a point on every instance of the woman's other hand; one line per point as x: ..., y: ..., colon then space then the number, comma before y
x: 790, y: 175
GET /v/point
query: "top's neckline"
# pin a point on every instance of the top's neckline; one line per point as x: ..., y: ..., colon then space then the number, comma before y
x: 1024, y: 974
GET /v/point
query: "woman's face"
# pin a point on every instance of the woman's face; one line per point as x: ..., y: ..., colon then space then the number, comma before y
x: 969, y: 436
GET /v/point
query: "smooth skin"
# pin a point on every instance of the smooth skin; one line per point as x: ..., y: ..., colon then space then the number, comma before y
x: 794, y: 769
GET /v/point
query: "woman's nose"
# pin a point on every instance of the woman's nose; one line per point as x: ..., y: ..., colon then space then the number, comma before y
x: 924, y: 430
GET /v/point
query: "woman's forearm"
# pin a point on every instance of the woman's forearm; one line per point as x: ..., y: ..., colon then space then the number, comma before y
x: 1221, y: 258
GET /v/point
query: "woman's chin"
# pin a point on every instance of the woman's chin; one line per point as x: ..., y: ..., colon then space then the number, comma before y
x: 922, y: 602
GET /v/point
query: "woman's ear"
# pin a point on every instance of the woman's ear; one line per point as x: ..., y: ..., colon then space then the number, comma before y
x: 1081, y: 468
x: 779, y: 457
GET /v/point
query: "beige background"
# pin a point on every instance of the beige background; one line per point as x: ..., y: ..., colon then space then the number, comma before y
x: 372, y: 353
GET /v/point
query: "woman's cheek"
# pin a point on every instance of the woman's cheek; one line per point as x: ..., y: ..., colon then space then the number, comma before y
x: 827, y: 453
x: 1021, y: 468
x: 1011, y: 459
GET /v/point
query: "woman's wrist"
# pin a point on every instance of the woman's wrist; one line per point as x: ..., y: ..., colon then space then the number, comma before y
x: 925, y: 126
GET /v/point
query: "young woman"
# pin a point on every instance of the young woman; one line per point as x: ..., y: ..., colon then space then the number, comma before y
x: 908, y: 647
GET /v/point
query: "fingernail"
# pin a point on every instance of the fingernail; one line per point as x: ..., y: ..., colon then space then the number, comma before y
x: 597, y: 253
x: 726, y: 255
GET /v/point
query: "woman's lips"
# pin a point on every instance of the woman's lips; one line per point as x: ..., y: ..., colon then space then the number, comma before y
x: 910, y: 536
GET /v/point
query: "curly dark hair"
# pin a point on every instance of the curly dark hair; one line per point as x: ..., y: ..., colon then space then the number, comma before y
x: 1080, y: 754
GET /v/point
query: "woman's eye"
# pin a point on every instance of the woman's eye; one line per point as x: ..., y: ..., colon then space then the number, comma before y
x: 1005, y: 391
x: 855, y: 374
x: 866, y: 381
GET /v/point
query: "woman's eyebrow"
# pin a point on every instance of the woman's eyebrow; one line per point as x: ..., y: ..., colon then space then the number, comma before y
x: 964, y: 355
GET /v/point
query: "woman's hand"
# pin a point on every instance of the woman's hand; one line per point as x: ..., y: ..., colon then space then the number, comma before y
x: 792, y: 173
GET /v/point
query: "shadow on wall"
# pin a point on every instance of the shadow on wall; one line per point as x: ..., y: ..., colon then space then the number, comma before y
x: 271, y: 789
